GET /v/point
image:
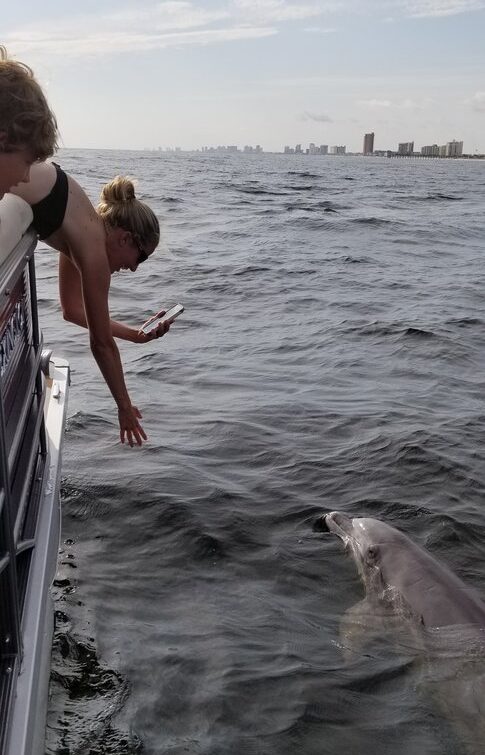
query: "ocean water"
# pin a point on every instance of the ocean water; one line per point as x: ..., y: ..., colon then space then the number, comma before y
x: 331, y: 356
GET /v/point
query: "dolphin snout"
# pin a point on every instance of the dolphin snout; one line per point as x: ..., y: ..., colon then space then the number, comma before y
x: 338, y: 523
x: 335, y: 522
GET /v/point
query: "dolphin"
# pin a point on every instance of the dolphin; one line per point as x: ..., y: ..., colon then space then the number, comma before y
x: 446, y: 617
x: 387, y: 559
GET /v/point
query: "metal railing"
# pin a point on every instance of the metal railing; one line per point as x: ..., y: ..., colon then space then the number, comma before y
x: 23, y: 453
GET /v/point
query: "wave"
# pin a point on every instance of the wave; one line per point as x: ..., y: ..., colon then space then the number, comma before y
x: 373, y: 221
x: 465, y: 322
x: 256, y: 191
x: 429, y: 197
x: 397, y: 330
x: 303, y: 174
x: 251, y: 270
x: 305, y: 187
x: 437, y: 196
x: 418, y: 333
x: 350, y: 260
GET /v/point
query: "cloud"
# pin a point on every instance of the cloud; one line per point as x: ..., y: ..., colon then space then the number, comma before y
x: 319, y: 118
x: 406, y: 104
x: 435, y: 8
x: 388, y: 11
x: 273, y: 11
x: 189, y: 22
x: 477, y: 102
x: 102, y: 43
x: 164, y: 16
x: 319, y: 30
x: 375, y: 103
x: 409, y: 105
x: 166, y: 24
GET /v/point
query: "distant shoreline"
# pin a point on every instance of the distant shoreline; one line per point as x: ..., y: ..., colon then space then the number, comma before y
x: 241, y: 153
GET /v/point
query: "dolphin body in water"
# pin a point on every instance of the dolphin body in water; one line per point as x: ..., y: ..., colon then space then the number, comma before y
x: 443, y: 617
x: 387, y: 558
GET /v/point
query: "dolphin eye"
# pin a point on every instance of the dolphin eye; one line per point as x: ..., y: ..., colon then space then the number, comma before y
x: 372, y: 554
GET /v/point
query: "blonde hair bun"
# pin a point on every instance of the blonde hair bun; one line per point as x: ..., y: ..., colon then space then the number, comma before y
x: 120, y: 189
x: 119, y: 208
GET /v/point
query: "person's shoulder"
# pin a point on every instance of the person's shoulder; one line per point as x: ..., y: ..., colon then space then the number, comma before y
x: 79, y: 209
x: 81, y: 221
x: 40, y: 171
x: 42, y: 177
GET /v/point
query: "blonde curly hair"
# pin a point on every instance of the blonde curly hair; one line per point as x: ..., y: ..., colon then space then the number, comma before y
x: 25, y: 116
x: 119, y: 208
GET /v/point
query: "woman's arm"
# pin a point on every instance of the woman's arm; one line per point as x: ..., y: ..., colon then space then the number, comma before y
x: 87, y: 246
x: 71, y: 298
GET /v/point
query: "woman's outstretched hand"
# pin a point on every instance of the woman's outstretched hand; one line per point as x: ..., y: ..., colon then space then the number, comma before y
x: 130, y: 428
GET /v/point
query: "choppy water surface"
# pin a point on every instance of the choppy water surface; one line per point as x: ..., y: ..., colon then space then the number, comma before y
x: 332, y: 356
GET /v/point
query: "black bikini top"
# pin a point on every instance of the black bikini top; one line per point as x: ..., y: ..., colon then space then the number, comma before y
x: 49, y: 212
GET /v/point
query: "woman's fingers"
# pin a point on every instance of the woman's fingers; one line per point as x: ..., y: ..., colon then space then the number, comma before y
x: 130, y: 428
x: 163, y: 328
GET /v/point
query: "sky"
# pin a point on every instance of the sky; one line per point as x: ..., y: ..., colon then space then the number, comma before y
x: 144, y: 75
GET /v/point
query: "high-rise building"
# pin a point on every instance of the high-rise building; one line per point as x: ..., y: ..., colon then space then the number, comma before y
x: 337, y: 150
x: 324, y: 149
x: 368, y: 144
x: 454, y: 149
x: 405, y: 148
x: 431, y: 150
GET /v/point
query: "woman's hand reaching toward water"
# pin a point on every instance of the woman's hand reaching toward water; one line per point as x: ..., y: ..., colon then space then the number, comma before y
x: 130, y: 428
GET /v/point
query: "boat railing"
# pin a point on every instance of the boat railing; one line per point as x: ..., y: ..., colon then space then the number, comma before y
x: 33, y: 404
x: 23, y: 455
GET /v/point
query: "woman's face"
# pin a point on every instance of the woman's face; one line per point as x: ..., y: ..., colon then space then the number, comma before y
x: 124, y: 252
x: 14, y: 168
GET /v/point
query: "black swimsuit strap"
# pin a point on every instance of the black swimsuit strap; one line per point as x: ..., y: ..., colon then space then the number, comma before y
x: 49, y: 212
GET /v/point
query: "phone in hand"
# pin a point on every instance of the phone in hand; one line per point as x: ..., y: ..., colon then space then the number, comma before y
x: 155, y: 320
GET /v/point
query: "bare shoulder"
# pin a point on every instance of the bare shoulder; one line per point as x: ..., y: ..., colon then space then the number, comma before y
x: 83, y: 231
x: 79, y: 209
x: 41, y: 180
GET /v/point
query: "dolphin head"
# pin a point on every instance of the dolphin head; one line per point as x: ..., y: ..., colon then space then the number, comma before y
x: 367, y: 539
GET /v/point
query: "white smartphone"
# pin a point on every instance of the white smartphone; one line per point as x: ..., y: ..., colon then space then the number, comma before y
x: 155, y: 321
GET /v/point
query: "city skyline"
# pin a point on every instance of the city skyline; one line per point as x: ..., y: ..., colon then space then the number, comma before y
x: 269, y: 72
x: 453, y: 148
